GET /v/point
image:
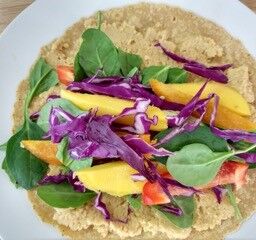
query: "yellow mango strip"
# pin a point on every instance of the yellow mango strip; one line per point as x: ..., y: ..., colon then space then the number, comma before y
x: 229, y: 97
x: 113, y: 178
x: 113, y: 106
x: 225, y: 118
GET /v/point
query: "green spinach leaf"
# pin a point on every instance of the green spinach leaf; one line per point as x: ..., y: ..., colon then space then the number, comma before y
x: 23, y: 168
x: 232, y: 200
x: 241, y: 145
x: 196, y: 164
x: 66, y: 105
x: 64, y: 157
x: 187, y: 204
x: 155, y: 72
x: 98, y: 52
x: 78, y: 70
x: 135, y: 202
x: 177, y: 75
x: 3, y: 147
x: 63, y: 195
x: 128, y: 61
x: 201, y: 135
x: 41, y: 79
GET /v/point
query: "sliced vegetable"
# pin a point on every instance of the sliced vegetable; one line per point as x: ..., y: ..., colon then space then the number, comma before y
x: 66, y: 105
x: 22, y: 167
x: 65, y: 74
x: 64, y: 156
x: 196, y: 164
x: 224, y: 118
x: 230, y: 173
x: 215, y: 73
x: 113, y: 178
x: 63, y: 195
x: 232, y: 200
x: 124, y: 88
x: 187, y: 205
x: 219, y: 192
x: 128, y: 61
x: 182, y: 93
x: 98, y: 52
x: 101, y: 206
x: 134, y: 201
x: 113, y: 106
x: 60, y: 178
x: 44, y: 150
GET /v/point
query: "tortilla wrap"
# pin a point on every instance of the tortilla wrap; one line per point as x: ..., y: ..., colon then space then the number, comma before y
x: 135, y: 29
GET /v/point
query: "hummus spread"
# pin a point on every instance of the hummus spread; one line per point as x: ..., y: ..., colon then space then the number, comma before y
x: 135, y: 29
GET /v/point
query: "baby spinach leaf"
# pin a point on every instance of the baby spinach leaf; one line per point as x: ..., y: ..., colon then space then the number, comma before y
x: 241, y: 145
x: 66, y: 105
x: 196, y: 164
x: 202, y: 135
x: 135, y: 202
x: 187, y: 204
x: 155, y: 72
x: 64, y: 157
x: 78, y: 70
x: 63, y: 195
x: 3, y: 147
x: 177, y: 75
x: 232, y: 200
x: 97, y: 51
x: 41, y: 79
x: 22, y: 167
x: 132, y: 72
x: 128, y: 61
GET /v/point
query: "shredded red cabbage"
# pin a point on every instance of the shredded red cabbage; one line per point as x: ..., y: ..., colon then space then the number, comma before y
x: 181, y: 121
x: 60, y: 178
x: 101, y: 206
x: 142, y: 122
x: 219, y: 192
x: 170, y: 208
x: 124, y: 88
x: 137, y: 177
x: 51, y: 97
x: 215, y: 73
x: 248, y: 157
x: 91, y: 136
x: 33, y: 117
x: 141, y: 147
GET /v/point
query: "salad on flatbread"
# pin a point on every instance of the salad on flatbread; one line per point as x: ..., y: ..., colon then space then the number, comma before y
x: 132, y: 127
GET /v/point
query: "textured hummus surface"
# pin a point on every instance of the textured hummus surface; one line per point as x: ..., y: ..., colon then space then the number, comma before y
x: 135, y: 29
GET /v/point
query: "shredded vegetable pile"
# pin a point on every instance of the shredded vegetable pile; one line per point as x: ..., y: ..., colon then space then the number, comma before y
x: 164, y: 139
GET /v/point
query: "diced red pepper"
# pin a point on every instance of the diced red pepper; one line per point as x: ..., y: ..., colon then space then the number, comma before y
x: 65, y: 74
x: 230, y: 173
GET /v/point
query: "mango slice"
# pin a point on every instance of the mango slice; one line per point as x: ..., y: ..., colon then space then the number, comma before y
x: 113, y: 106
x: 113, y: 178
x: 229, y: 97
x: 44, y: 150
x: 225, y: 117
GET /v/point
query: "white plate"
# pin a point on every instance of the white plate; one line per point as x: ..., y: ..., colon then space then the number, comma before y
x: 39, y: 24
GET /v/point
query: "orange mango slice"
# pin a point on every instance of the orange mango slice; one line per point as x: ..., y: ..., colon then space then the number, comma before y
x: 44, y: 150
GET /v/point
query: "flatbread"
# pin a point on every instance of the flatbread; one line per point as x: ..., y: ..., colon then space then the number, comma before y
x: 134, y: 29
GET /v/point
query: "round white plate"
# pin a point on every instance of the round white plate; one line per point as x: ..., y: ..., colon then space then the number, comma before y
x: 20, y: 43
